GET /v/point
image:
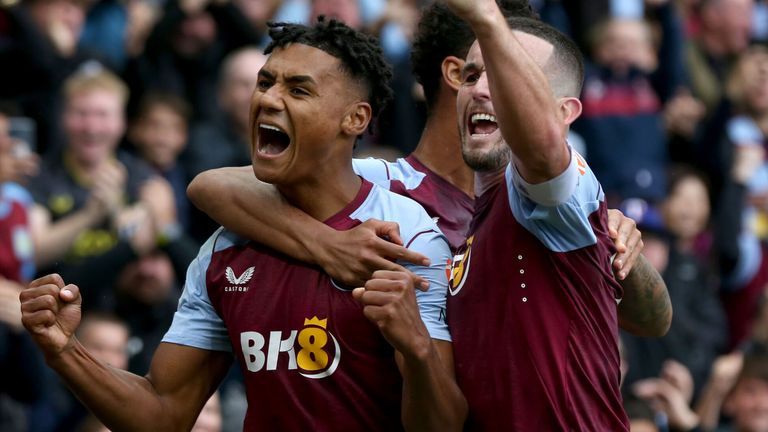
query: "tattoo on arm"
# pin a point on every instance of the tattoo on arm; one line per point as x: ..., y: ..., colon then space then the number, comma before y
x: 645, y: 309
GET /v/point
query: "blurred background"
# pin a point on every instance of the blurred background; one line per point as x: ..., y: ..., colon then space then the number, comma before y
x: 108, y: 108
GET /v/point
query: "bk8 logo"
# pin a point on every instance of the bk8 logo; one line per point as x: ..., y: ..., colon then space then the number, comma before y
x: 316, y: 358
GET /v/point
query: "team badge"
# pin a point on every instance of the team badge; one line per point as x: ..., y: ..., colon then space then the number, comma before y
x: 460, y: 268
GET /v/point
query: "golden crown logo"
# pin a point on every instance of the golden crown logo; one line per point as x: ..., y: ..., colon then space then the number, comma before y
x: 316, y: 321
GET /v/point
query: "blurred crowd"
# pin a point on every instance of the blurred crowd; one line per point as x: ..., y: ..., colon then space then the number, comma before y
x: 108, y: 108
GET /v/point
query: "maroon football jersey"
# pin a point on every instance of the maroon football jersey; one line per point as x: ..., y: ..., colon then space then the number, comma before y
x: 310, y: 358
x: 534, y: 328
x: 450, y: 207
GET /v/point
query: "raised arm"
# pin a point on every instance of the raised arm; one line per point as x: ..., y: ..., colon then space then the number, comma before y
x: 169, y: 398
x: 532, y: 109
x: 234, y: 198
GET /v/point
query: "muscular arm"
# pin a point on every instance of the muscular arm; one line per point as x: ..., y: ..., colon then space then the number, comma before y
x: 431, y: 398
x: 234, y: 198
x: 169, y: 398
x: 528, y: 114
x: 645, y: 309
x: 180, y: 380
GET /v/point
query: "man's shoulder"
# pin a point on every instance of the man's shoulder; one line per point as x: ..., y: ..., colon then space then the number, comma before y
x: 383, y: 172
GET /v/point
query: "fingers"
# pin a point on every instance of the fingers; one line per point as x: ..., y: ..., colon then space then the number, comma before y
x: 614, y: 220
x: 41, y: 318
x: 624, y: 263
x: 381, y: 284
x: 626, y: 230
x: 386, y: 280
x: 627, y: 240
x: 53, y: 279
x: 400, y: 253
x: 390, y: 244
x: 386, y: 230
x: 39, y: 306
x: 380, y: 263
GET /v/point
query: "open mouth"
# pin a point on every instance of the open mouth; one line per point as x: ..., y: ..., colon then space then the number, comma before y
x: 482, y: 124
x: 272, y: 140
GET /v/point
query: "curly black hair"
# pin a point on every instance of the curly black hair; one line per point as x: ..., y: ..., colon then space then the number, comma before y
x: 360, y: 55
x: 442, y: 34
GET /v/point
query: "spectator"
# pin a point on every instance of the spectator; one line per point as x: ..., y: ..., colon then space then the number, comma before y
x: 738, y: 390
x: 670, y: 396
x: 259, y: 12
x: 747, y: 402
x: 748, y: 91
x: 91, y: 192
x: 159, y: 132
x: 147, y: 292
x: 743, y: 258
x: 16, y: 257
x: 224, y: 140
x: 106, y: 337
x: 697, y: 334
x: 623, y: 99
x: 22, y: 371
x: 185, y: 49
x: 40, y: 41
x: 724, y: 33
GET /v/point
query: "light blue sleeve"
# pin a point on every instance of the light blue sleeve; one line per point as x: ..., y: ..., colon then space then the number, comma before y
x: 557, y: 211
x: 432, y: 302
x: 196, y: 322
x: 375, y: 171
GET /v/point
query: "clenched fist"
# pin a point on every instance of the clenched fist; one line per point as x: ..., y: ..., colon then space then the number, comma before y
x: 50, y: 311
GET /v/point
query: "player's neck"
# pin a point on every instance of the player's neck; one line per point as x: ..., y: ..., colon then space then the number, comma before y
x: 439, y: 148
x: 485, y: 180
x: 325, y: 194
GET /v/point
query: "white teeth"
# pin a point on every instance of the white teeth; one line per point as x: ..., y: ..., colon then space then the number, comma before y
x: 480, y: 117
x: 270, y: 127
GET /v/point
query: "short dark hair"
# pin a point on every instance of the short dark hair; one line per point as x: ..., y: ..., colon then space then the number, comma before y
x: 152, y: 99
x: 565, y: 68
x: 360, y: 55
x: 441, y: 34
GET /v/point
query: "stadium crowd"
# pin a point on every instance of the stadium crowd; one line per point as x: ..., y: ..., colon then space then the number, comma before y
x: 109, y: 109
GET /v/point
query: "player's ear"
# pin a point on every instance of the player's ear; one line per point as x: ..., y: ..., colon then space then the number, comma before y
x: 451, y: 69
x: 570, y: 109
x: 356, y: 119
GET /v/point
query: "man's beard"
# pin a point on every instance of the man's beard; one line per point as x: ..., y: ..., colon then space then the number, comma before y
x: 493, y: 160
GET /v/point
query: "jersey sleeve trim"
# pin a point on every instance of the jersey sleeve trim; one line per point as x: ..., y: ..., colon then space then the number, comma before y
x: 551, y: 192
x: 557, y: 211
x: 418, y: 234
